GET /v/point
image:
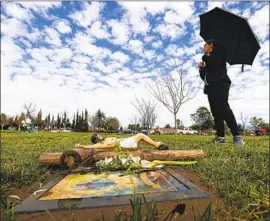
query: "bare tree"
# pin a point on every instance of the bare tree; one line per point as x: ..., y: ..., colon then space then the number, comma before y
x: 30, y: 110
x: 147, y: 112
x: 93, y: 121
x: 133, y: 123
x: 4, y: 120
x: 244, y: 121
x: 174, y: 90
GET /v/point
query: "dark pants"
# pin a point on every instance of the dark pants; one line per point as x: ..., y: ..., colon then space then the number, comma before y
x: 218, y: 94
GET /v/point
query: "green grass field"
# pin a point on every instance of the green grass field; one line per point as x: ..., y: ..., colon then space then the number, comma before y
x: 240, y: 176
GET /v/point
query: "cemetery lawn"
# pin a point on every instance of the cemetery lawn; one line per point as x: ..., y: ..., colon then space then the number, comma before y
x: 238, y: 176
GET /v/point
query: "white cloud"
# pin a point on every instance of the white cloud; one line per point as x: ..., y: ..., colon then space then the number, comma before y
x: 120, y: 32
x: 95, y: 52
x: 81, y: 59
x: 25, y: 42
x: 174, y: 50
x: 139, y: 63
x: 213, y: 4
x: 150, y: 54
x: 98, y: 30
x: 157, y: 44
x: 169, y: 31
x: 89, y: 14
x: 12, y: 28
x: 176, y: 18
x: 160, y: 57
x: 52, y: 37
x: 81, y: 41
x: 108, y: 68
x: 232, y: 3
x: 148, y: 38
x: 40, y: 6
x: 120, y: 56
x: 259, y: 23
x: 136, y: 16
x: 38, y: 56
x: 62, y: 54
x: 10, y: 52
x: 184, y: 10
x: 15, y: 11
x: 136, y: 46
x: 153, y: 8
x: 63, y: 26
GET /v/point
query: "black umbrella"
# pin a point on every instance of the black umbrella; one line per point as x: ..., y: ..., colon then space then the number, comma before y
x: 231, y: 31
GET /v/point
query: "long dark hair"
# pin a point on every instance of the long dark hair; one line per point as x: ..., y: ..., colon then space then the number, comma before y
x: 95, y: 139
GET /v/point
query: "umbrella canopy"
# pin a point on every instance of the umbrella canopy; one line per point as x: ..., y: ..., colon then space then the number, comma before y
x: 231, y: 31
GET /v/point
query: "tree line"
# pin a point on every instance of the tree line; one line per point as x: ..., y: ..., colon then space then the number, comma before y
x: 80, y: 121
x: 203, y: 120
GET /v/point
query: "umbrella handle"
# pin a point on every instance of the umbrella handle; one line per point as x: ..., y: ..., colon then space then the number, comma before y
x: 242, y: 69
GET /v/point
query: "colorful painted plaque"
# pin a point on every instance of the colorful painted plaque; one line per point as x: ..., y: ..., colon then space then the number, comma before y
x: 111, y: 184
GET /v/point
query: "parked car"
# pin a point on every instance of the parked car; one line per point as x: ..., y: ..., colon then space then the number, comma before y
x: 144, y: 132
x: 186, y: 131
x: 129, y: 131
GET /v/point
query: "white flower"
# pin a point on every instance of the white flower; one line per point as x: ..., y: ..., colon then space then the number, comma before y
x: 145, y: 163
x: 135, y: 159
x: 123, y: 160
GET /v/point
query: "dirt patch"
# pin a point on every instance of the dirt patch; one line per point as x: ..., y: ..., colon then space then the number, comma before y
x: 26, y: 191
x: 217, y: 202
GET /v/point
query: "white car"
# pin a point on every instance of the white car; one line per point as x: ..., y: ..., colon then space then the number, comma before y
x: 187, y: 131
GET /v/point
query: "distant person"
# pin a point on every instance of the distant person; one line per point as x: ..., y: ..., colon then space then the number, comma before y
x: 213, y: 72
x: 100, y: 142
x: 258, y: 130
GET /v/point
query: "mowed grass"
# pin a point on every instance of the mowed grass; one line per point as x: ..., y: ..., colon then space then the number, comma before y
x: 240, y: 176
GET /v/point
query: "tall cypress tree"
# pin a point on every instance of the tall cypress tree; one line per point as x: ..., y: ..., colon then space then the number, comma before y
x: 73, y: 122
x: 86, y: 115
x: 82, y: 119
x: 52, y: 122
x: 77, y: 118
x: 58, y: 121
x: 49, y: 118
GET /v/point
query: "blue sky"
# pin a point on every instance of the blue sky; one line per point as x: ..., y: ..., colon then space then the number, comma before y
x: 75, y: 55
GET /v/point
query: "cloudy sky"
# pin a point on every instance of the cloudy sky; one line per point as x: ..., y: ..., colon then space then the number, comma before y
x: 76, y: 55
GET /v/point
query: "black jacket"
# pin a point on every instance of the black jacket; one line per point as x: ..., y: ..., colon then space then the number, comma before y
x: 215, y: 69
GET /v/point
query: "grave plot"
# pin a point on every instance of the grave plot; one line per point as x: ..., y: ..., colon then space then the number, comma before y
x: 110, y: 192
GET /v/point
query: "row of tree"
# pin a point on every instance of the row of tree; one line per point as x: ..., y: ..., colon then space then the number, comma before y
x: 203, y: 120
x: 80, y: 121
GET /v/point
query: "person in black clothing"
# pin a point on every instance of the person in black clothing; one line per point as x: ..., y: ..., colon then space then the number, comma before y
x: 213, y: 72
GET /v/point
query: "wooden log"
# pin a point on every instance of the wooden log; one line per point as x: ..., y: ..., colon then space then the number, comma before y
x: 50, y: 158
x: 150, y: 155
x: 55, y: 158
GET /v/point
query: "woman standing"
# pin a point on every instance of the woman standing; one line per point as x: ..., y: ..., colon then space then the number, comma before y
x: 213, y: 72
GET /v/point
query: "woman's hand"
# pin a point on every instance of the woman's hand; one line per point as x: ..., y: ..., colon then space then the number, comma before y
x: 201, y: 65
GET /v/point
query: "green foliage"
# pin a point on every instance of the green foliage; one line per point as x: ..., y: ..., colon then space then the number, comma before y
x: 119, y: 162
x: 98, y: 120
x: 254, y: 121
x: 38, y: 119
x: 4, y: 119
x: 167, y: 126
x: 135, y: 127
x: 202, y: 118
x: 112, y: 123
